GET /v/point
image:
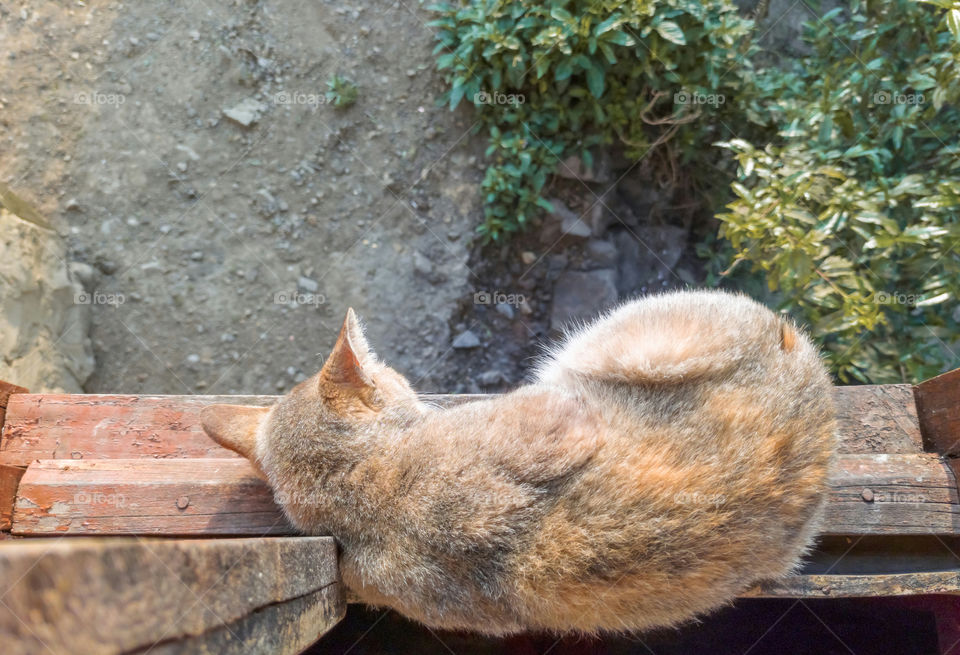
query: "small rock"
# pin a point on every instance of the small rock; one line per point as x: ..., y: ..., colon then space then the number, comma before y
x: 490, y: 378
x: 600, y: 219
x: 421, y: 264
x: 246, y: 113
x: 603, y: 253
x: 193, y: 358
x: 581, y: 296
x: 505, y: 309
x: 867, y: 495
x: 84, y: 273
x: 307, y: 284
x: 528, y: 257
x: 570, y: 223
x: 196, y: 255
x: 106, y: 266
x: 647, y: 255
x: 466, y: 340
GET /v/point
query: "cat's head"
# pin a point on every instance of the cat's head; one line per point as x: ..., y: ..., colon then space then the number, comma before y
x: 349, y: 396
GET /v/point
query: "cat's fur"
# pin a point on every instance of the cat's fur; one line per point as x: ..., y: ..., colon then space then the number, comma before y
x: 667, y: 457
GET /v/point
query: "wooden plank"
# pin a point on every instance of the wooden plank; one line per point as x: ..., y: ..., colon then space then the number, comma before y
x: 95, y: 426
x: 147, y: 497
x: 892, y: 495
x: 127, y: 595
x: 938, y: 405
x: 870, y: 495
x: 9, y: 481
x: 859, y: 586
x: 83, y: 427
x: 872, y: 419
x: 287, y: 628
x: 7, y: 390
x: 877, y: 419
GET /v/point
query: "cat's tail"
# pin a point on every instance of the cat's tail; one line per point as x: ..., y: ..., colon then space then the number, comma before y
x: 674, y: 338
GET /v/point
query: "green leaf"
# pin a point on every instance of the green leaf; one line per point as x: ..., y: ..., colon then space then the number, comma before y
x: 953, y: 23
x: 561, y: 14
x: 671, y: 32
x: 607, y: 25
x: 595, y: 80
x: 619, y: 38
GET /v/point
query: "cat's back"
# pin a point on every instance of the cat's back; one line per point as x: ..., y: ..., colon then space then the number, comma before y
x: 719, y: 433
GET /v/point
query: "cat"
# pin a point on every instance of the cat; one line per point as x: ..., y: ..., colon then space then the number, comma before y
x: 664, y: 458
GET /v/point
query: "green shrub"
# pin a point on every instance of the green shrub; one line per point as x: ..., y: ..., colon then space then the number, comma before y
x: 555, y: 78
x: 853, y: 210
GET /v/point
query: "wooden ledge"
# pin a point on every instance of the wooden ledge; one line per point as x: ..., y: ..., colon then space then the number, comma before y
x: 129, y: 595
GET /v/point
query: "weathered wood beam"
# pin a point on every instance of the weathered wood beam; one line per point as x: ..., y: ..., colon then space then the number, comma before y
x: 7, y: 390
x: 892, y: 495
x: 877, y: 419
x: 9, y: 475
x: 182, y: 497
x: 286, y: 628
x: 134, y: 595
x: 873, y: 419
x: 9, y: 480
x: 938, y: 407
x: 870, y: 495
x: 859, y: 586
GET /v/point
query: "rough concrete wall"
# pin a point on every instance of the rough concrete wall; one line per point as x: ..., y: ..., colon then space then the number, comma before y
x: 44, y: 318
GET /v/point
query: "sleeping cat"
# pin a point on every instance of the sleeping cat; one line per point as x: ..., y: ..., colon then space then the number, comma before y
x: 663, y: 459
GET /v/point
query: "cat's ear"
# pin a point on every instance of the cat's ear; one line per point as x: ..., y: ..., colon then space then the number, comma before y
x: 345, y: 365
x: 234, y: 426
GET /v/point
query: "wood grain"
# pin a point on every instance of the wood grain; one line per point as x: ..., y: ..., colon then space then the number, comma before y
x: 183, y: 497
x: 869, y: 495
x: 938, y: 406
x: 283, y: 629
x: 127, y: 595
x: 7, y: 390
x: 859, y: 586
x: 872, y: 419
x: 877, y: 419
x: 892, y: 495
x: 9, y: 481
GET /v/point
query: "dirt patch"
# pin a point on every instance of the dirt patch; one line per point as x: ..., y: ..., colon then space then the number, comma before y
x: 115, y: 127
